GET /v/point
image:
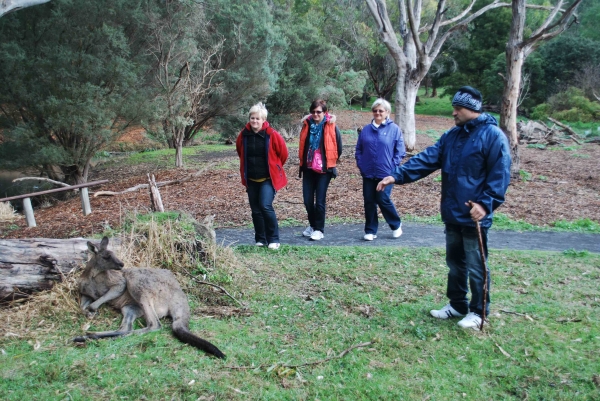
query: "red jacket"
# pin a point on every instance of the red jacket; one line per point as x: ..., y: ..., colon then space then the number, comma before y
x: 276, y: 156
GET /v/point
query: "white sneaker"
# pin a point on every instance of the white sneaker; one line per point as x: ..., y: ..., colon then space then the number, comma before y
x: 274, y: 245
x: 260, y: 244
x: 308, y: 232
x: 397, y: 232
x: 471, y: 321
x: 446, y: 313
x: 370, y: 237
x: 316, y: 235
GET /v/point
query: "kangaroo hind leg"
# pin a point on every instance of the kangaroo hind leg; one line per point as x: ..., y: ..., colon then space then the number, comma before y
x: 150, y: 315
x: 130, y: 314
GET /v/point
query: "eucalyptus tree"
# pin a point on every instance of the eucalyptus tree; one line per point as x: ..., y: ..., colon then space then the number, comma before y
x: 71, y: 78
x: 518, y: 48
x: 422, y: 34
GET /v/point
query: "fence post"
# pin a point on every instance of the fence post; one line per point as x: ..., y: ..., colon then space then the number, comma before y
x: 28, y: 212
x: 85, y: 201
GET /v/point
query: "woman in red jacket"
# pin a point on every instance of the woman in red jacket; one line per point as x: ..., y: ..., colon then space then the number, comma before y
x: 262, y: 153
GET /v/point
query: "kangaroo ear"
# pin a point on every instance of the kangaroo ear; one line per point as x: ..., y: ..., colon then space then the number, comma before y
x: 104, y: 244
x: 92, y: 248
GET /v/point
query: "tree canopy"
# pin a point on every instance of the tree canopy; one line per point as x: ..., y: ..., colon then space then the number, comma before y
x: 75, y: 74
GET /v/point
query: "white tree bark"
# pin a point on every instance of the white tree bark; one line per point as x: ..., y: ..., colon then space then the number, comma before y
x: 412, y: 56
x: 8, y: 6
x: 517, y: 50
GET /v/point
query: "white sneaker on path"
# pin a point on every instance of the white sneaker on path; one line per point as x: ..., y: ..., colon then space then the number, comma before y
x: 316, y: 235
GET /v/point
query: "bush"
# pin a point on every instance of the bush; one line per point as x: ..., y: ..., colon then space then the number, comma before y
x: 540, y: 112
x: 570, y: 105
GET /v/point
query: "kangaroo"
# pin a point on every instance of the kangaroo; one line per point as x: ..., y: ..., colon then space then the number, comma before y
x: 144, y: 292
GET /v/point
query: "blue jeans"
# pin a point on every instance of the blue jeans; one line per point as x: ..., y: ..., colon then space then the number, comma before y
x: 374, y: 198
x: 464, y: 261
x: 260, y: 196
x: 314, y: 192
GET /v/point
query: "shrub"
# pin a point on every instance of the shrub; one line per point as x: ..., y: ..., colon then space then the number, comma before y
x: 570, y: 105
x: 541, y: 112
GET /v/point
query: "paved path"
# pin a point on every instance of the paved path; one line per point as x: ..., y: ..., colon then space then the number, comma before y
x: 419, y: 235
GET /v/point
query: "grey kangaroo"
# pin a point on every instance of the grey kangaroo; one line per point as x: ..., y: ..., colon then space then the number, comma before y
x: 144, y: 292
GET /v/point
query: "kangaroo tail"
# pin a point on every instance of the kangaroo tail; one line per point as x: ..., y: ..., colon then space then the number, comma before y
x: 184, y: 335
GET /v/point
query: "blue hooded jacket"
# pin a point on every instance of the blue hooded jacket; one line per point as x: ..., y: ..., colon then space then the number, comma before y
x: 475, y: 162
x: 379, y: 150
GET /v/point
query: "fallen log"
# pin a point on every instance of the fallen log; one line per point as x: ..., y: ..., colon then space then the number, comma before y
x: 31, y: 265
x: 565, y: 127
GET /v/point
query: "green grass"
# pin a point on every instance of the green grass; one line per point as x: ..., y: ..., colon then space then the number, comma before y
x: 166, y: 157
x: 432, y: 106
x: 311, y: 303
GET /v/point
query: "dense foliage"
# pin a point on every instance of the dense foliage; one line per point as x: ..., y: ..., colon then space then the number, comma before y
x: 570, y: 60
x: 75, y: 74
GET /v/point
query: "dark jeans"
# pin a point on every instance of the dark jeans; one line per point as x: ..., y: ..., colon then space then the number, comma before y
x: 314, y: 192
x: 372, y: 199
x: 260, y: 196
x: 464, y: 261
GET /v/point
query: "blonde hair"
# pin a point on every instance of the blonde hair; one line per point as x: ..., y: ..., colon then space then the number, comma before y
x: 386, y: 105
x: 260, y: 109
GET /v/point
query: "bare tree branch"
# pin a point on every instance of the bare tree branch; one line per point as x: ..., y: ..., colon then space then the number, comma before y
x: 9, y: 6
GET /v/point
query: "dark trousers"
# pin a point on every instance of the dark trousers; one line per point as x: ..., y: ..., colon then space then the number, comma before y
x: 314, y: 192
x: 374, y: 198
x: 464, y: 261
x: 260, y: 196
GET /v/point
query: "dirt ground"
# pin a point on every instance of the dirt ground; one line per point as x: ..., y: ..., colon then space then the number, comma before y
x: 563, y: 184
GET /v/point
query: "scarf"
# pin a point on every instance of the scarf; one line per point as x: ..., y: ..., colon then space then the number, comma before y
x: 315, y: 133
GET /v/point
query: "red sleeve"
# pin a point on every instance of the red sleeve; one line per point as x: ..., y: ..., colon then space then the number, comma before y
x: 238, y: 144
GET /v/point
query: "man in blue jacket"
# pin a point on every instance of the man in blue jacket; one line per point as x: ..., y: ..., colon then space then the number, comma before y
x: 475, y: 161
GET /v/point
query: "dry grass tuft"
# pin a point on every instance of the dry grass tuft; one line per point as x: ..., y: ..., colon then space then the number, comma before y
x: 7, y: 213
x: 183, y: 245
x: 34, y: 317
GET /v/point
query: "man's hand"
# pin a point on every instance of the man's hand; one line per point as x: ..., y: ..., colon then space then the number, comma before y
x: 385, y: 182
x: 477, y: 211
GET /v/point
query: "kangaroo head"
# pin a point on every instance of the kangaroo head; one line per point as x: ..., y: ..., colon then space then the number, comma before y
x: 103, y: 259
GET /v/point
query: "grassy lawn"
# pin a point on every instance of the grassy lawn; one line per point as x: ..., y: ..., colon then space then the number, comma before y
x: 431, y: 106
x: 311, y: 304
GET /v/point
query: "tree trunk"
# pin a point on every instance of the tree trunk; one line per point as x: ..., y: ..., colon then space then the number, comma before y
x: 178, y: 151
x: 406, y: 95
x: 365, y: 95
x: 508, y: 108
x: 73, y: 175
x: 515, y: 57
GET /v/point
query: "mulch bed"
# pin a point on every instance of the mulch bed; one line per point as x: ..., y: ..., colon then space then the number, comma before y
x: 563, y: 185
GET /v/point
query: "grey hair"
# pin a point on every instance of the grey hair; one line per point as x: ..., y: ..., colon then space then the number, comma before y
x: 386, y: 105
x: 260, y: 109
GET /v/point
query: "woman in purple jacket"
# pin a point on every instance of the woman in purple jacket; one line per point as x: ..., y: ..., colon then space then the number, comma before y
x: 379, y: 150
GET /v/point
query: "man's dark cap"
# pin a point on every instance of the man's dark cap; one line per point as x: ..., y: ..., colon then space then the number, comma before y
x: 469, y: 98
